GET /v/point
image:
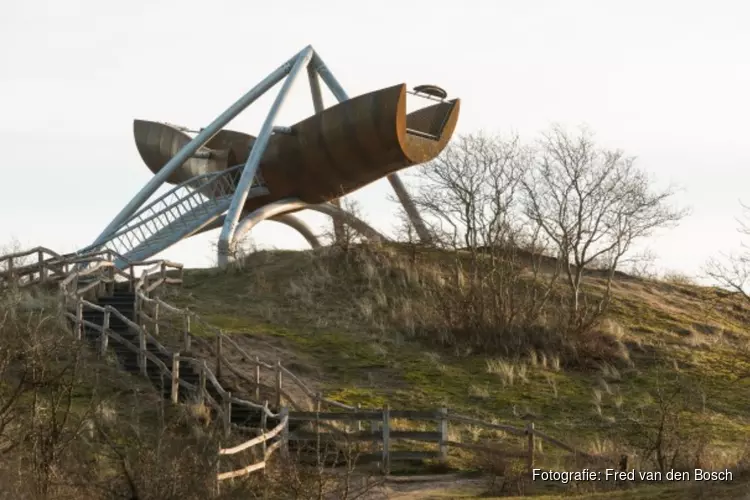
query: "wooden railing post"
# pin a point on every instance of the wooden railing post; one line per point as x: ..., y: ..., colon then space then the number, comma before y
x: 318, y: 404
x: 278, y: 383
x: 111, y: 284
x: 10, y: 270
x: 101, y: 288
x: 137, y: 308
x: 156, y: 319
x: 264, y: 424
x: 104, y: 339
x: 385, y: 465
x: 530, y: 457
x: 218, y: 354
x: 202, y: 383
x: 443, y: 434
x: 132, y: 278
x: 175, y: 377
x: 374, y: 431
x: 42, y: 268
x: 79, y: 319
x: 163, y: 271
x: 257, y: 378
x: 186, y: 339
x: 142, y: 350
x: 227, y: 410
x: 285, y: 433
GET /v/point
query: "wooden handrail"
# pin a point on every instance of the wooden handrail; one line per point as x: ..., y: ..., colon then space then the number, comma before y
x: 257, y: 440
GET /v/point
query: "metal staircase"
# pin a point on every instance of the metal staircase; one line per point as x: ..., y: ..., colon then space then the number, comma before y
x: 177, y: 214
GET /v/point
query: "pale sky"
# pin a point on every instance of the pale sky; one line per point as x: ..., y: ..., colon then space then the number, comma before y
x: 666, y: 81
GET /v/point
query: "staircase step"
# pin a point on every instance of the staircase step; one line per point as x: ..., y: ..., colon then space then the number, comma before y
x: 124, y: 301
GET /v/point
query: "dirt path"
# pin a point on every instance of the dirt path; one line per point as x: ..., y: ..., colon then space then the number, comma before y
x: 436, y: 487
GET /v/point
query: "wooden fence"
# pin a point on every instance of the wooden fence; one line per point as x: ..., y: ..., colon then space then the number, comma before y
x: 381, y: 432
x: 99, y: 276
x: 281, y: 430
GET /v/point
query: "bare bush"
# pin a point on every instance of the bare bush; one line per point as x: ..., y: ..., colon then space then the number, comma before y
x: 495, y: 291
x: 659, y: 433
x: 732, y: 271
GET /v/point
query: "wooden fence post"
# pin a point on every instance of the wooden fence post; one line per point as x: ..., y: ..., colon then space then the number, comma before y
x: 374, y: 431
x: 318, y: 404
x: 10, y: 269
x: 530, y: 457
x: 227, y: 410
x: 263, y: 426
x: 163, y: 271
x: 79, y: 319
x: 187, y: 333
x: 42, y: 268
x: 257, y: 378
x: 104, y: 339
x: 156, y: 319
x: 385, y: 463
x: 443, y: 434
x: 175, y: 377
x: 218, y: 354
x: 285, y: 433
x: 137, y: 306
x: 202, y: 383
x: 101, y: 288
x: 278, y: 383
x: 111, y: 284
x: 132, y: 278
x: 142, y: 350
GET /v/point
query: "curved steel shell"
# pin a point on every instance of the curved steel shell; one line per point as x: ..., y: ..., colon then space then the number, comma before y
x: 332, y: 153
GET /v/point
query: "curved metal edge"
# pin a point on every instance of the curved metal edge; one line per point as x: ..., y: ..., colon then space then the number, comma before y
x: 298, y: 224
x: 355, y: 222
x: 293, y: 204
x: 280, y: 212
x: 266, y: 212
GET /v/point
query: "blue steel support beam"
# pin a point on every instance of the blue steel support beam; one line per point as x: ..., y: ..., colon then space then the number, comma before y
x: 202, y: 138
x: 251, y: 167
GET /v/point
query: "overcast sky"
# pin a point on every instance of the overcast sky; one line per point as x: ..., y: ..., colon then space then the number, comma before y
x: 666, y: 81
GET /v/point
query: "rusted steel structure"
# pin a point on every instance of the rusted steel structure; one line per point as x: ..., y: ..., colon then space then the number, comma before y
x: 321, y: 158
x: 314, y: 162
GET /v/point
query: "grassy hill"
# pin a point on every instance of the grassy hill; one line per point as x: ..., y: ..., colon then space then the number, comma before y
x: 663, y: 377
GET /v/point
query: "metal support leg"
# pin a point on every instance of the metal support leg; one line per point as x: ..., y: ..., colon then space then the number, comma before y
x: 317, y: 98
x: 398, y: 186
x: 251, y: 167
x: 202, y: 138
x: 410, y: 208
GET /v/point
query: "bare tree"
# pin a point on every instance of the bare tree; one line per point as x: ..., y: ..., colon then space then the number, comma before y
x: 469, y: 191
x: 469, y: 196
x: 593, y: 204
x: 732, y: 270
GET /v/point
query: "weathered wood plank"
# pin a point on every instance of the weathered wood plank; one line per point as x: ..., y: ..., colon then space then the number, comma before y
x: 309, y: 416
x: 430, y: 437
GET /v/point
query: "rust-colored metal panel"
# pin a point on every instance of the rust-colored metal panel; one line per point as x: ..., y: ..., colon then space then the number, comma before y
x: 157, y: 143
x: 332, y: 153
